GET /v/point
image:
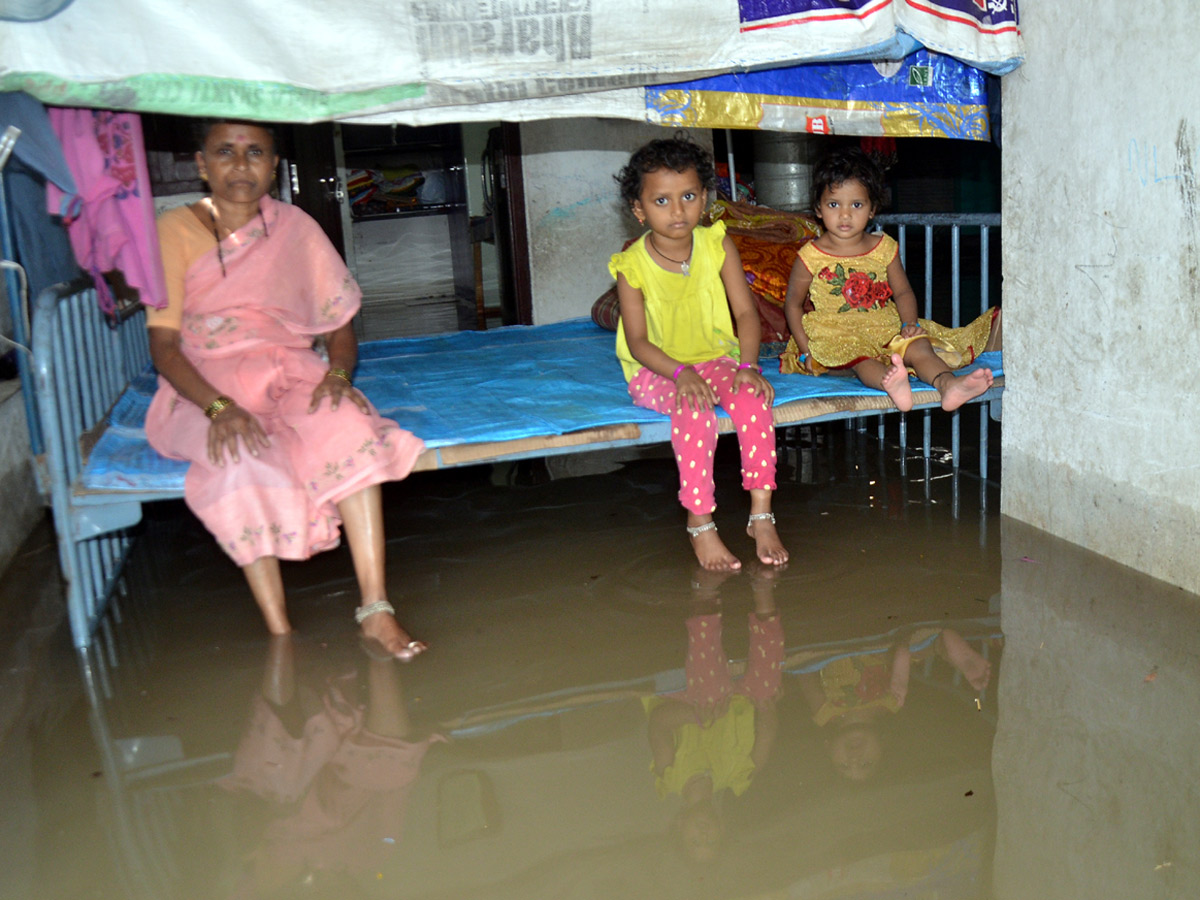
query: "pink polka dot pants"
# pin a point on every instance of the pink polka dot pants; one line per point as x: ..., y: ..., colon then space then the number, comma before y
x: 694, y: 433
x: 709, y: 682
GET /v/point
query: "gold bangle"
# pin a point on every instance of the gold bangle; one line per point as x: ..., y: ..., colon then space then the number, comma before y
x: 338, y: 372
x: 214, y: 409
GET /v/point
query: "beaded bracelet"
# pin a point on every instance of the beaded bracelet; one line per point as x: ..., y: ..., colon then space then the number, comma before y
x: 214, y: 409
x: 757, y: 368
x: 906, y: 324
x: 678, y: 369
x: 338, y: 372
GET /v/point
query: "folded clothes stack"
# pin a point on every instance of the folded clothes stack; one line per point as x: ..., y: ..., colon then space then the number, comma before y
x: 375, y: 191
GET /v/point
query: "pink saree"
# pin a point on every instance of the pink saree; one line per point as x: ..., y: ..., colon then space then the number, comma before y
x: 249, y: 330
x: 339, y: 793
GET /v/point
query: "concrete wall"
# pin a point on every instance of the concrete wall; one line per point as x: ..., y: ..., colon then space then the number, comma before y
x: 1101, y: 135
x: 575, y: 218
x: 1095, y: 766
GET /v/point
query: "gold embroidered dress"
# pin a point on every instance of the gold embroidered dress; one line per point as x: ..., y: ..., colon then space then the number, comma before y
x: 854, y: 316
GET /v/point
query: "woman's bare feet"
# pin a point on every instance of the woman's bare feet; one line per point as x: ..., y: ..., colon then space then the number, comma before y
x: 276, y: 618
x: 895, y: 382
x: 382, y: 633
x: 965, y: 658
x: 266, y: 586
x: 710, y: 550
x: 958, y: 389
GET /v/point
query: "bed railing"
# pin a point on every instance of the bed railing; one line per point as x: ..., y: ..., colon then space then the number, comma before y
x: 83, y: 360
x: 944, y: 303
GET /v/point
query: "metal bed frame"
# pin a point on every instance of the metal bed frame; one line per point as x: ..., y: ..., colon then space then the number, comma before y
x: 84, y: 360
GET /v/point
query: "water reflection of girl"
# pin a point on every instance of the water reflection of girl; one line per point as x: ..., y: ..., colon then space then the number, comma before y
x: 335, y: 774
x: 851, y: 696
x: 717, y: 733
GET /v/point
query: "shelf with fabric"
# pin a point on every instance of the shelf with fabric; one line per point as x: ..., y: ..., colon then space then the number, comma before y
x: 407, y: 230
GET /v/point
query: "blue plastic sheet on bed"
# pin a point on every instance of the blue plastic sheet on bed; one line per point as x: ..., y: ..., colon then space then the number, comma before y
x: 459, y: 388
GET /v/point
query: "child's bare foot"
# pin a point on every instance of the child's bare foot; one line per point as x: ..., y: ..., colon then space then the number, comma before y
x: 965, y: 658
x: 763, y: 578
x: 710, y: 550
x: 382, y: 633
x: 706, y: 582
x: 895, y: 382
x: 768, y: 546
x: 958, y: 389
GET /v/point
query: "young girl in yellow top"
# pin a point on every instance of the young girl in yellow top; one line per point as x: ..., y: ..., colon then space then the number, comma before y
x: 865, y: 312
x: 678, y: 346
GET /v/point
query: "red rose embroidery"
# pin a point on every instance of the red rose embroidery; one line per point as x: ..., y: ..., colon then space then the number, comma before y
x: 857, y: 290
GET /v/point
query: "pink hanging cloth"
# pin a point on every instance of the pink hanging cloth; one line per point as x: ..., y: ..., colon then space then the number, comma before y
x: 111, y: 219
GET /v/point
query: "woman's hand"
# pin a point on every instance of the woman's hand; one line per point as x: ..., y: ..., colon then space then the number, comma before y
x: 223, y: 432
x: 336, y: 389
x: 759, y: 386
x: 692, y: 391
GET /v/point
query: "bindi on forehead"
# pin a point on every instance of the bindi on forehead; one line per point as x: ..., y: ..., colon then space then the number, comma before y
x: 240, y: 136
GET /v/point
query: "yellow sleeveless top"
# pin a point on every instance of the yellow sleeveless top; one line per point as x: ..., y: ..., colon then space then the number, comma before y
x: 687, y: 316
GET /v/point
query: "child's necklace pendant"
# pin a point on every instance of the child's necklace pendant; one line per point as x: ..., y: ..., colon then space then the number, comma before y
x: 684, y: 264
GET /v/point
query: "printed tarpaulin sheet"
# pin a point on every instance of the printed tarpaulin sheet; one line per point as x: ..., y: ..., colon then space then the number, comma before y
x: 461, y: 388
x: 984, y: 33
x: 425, y: 61
x: 924, y: 95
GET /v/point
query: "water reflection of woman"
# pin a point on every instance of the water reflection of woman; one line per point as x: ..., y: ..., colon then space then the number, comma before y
x: 334, y: 769
x: 712, y: 737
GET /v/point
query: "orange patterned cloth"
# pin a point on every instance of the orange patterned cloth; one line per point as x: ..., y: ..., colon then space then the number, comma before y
x: 767, y: 240
x: 767, y: 265
x: 763, y: 222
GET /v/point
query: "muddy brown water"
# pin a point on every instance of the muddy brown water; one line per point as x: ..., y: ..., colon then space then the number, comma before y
x: 187, y: 755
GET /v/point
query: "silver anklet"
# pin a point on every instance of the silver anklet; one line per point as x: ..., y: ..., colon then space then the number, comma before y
x: 379, y: 606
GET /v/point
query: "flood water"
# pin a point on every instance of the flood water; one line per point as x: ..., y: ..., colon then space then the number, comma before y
x: 1043, y: 744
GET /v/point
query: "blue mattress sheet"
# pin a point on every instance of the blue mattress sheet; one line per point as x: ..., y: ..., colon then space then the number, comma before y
x: 459, y: 388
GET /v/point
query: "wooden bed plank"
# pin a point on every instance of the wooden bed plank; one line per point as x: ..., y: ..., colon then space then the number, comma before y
x: 797, y: 412
x: 470, y: 454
